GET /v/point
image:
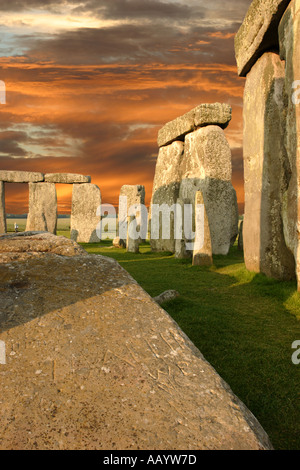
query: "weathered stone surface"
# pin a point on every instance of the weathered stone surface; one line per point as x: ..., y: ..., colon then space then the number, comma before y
x: 266, y: 169
x: 66, y: 178
x: 202, y: 115
x: 135, y: 195
x: 202, y: 254
x: 86, y: 200
x: 289, y: 37
x: 206, y: 167
x: 166, y: 191
x: 20, y: 177
x: 258, y: 32
x: 2, y: 208
x: 92, y: 362
x: 166, y: 296
x: 118, y: 243
x: 42, y: 215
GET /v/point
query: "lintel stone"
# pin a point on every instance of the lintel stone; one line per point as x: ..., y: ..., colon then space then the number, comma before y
x: 20, y: 177
x: 66, y: 178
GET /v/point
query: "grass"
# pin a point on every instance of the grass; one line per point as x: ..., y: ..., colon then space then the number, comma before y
x: 243, y: 323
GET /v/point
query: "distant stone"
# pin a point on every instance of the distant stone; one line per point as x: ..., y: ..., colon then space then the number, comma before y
x: 86, y: 200
x: 20, y: 177
x: 240, y: 237
x: 166, y: 191
x: 66, y: 178
x: 258, y: 33
x: 166, y: 296
x: 135, y: 196
x: 202, y: 254
x: 2, y: 209
x: 42, y: 214
x: 118, y: 243
x: 266, y: 169
x: 202, y: 115
x: 289, y: 37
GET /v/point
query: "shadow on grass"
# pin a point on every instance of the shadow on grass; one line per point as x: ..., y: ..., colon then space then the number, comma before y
x: 243, y: 323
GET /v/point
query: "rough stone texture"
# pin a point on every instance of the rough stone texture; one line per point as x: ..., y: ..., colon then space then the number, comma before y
x: 42, y: 214
x: 289, y: 37
x: 166, y: 296
x: 266, y: 170
x: 166, y: 190
x: 2, y: 208
x: 20, y: 177
x: 202, y: 115
x: 86, y: 200
x: 66, y: 178
x: 206, y: 167
x: 24, y: 245
x: 92, y: 362
x: 135, y: 196
x: 258, y: 32
x: 202, y: 256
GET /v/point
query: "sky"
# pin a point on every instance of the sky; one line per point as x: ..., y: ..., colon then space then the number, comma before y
x: 90, y: 82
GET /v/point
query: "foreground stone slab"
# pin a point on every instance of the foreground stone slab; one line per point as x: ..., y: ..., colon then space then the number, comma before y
x: 258, y: 32
x: 289, y: 36
x: 2, y: 208
x: 42, y: 215
x: 166, y: 186
x: 92, y: 362
x: 266, y: 170
x: 202, y: 254
x: 202, y: 115
x: 86, y: 202
x: 66, y: 178
x: 206, y: 167
x: 20, y: 177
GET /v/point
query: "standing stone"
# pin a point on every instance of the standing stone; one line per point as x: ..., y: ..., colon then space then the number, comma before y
x: 86, y: 200
x: 266, y: 169
x: 202, y: 255
x: 289, y: 38
x: 240, y: 238
x: 135, y: 196
x: 165, y: 192
x: 206, y: 167
x: 42, y: 215
x: 258, y: 32
x: 2, y: 208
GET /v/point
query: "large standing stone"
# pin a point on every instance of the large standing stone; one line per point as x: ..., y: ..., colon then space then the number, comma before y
x: 202, y: 255
x: 92, y: 362
x: 165, y: 192
x: 66, y: 178
x: 266, y: 169
x: 20, y: 177
x: 289, y: 37
x: 202, y: 115
x: 206, y: 167
x: 86, y: 200
x: 2, y: 208
x: 42, y: 215
x: 258, y: 32
x: 135, y: 196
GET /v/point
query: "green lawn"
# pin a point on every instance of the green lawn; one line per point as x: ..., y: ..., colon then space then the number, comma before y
x: 243, y: 323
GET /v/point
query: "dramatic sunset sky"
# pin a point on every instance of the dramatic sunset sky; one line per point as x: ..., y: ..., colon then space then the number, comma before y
x: 90, y: 82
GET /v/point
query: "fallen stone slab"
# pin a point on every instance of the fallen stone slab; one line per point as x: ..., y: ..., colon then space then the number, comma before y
x: 20, y: 177
x: 66, y: 178
x: 258, y: 33
x: 92, y: 362
x: 2, y: 208
x: 202, y: 115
